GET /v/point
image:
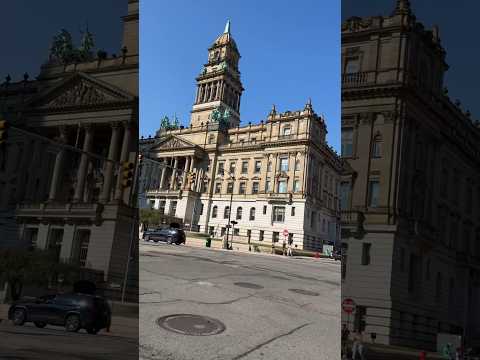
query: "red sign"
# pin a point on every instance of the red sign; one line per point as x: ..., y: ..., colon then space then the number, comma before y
x: 348, y: 305
x: 285, y: 232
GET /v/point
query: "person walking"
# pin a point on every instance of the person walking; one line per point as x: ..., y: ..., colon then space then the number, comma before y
x: 290, y: 250
x: 357, y: 348
x: 284, y: 248
x: 345, y: 335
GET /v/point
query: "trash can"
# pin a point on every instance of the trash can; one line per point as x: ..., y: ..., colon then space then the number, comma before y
x: 208, y: 243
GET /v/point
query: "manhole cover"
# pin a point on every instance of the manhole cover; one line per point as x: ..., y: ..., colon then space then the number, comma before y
x: 304, y: 292
x: 248, y: 285
x: 188, y: 324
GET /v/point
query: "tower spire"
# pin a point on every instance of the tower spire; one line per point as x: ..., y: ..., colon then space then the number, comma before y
x: 227, y: 27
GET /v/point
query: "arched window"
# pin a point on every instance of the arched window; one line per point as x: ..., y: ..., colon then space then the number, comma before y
x: 252, y: 213
x: 214, y: 211
x: 377, y: 146
x: 239, y: 213
x: 226, y: 212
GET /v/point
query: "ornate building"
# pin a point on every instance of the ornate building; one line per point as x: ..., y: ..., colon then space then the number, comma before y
x: 275, y: 175
x: 410, y: 193
x: 60, y: 184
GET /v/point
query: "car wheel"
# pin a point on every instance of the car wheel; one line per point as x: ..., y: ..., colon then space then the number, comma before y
x: 147, y: 238
x: 170, y: 240
x: 19, y: 317
x: 92, y: 331
x: 40, y: 324
x: 72, y: 323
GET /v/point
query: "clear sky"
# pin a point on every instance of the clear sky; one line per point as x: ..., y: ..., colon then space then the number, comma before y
x: 290, y: 52
x: 458, y: 32
x: 27, y: 29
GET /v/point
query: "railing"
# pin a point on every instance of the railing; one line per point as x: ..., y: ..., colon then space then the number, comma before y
x: 352, y: 218
x: 356, y: 79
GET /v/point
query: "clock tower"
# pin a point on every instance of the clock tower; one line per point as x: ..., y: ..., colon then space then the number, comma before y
x: 219, y: 88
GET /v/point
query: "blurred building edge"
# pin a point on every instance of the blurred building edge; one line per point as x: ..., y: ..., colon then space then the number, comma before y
x: 411, y: 197
x: 274, y: 175
x: 57, y: 197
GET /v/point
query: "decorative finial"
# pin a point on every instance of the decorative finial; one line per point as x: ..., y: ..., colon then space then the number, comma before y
x: 403, y: 8
x: 227, y: 27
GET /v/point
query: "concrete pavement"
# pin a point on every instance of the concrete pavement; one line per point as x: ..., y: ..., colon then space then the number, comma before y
x: 272, y: 307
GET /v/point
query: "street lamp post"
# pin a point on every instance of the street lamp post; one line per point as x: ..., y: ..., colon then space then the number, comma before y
x: 233, y: 222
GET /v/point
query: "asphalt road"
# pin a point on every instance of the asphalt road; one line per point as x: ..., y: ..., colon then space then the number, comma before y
x: 54, y: 343
x: 251, y: 295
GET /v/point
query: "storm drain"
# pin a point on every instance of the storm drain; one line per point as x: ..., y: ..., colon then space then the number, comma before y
x: 188, y: 324
x: 248, y: 285
x: 304, y: 292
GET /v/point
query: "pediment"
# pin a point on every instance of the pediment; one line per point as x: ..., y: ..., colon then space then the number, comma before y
x: 80, y: 90
x: 173, y: 142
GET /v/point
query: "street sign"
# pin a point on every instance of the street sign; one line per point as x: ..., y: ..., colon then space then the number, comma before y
x: 348, y: 305
x: 285, y: 232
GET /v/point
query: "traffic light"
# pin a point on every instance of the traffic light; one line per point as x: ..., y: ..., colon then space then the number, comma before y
x: 3, y: 131
x: 127, y: 174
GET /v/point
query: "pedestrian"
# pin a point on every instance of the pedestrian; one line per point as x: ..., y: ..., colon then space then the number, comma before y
x: 225, y: 241
x: 284, y: 247
x: 345, y: 335
x: 290, y: 250
x: 357, y: 348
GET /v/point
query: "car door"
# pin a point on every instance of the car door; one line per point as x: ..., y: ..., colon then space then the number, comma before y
x: 38, y: 310
x: 62, y: 305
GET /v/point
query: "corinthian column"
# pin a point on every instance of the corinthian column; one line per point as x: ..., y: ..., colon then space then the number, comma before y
x: 174, y: 174
x: 112, y: 155
x: 82, y: 169
x: 185, y: 171
x: 57, y: 170
x: 127, y: 134
x: 162, y: 177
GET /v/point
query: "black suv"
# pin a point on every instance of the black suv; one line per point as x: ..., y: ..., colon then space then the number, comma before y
x: 170, y: 235
x: 74, y: 311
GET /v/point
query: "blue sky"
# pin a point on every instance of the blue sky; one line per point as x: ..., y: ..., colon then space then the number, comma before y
x: 290, y: 52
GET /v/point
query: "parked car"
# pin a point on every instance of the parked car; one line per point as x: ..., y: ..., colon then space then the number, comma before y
x: 73, y: 311
x: 170, y: 235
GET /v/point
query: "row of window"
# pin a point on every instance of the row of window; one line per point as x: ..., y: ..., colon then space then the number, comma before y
x: 261, y: 234
x: 278, y: 214
x: 347, y: 144
x: 281, y: 186
x: 283, y: 166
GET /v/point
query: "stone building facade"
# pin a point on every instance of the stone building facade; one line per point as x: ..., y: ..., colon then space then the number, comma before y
x: 275, y: 175
x: 70, y: 197
x: 410, y: 192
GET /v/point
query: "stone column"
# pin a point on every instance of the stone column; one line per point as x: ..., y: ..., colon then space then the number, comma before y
x: 199, y: 180
x: 217, y: 93
x: 57, y: 170
x: 185, y: 171
x: 192, y: 166
x: 174, y: 174
x: 198, y: 94
x: 127, y: 134
x: 109, y: 166
x: 162, y: 177
x: 82, y: 169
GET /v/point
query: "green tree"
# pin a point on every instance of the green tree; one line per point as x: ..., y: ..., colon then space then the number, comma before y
x: 20, y: 267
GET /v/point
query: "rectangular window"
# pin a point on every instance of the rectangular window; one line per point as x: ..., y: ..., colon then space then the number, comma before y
x: 268, y: 185
x: 296, y: 185
x: 275, y: 236
x: 347, y: 142
x: 233, y: 164
x: 221, y: 168
x: 293, y: 211
x: 261, y: 235
x: 236, y: 231
x: 230, y: 188
x: 344, y: 195
x: 282, y: 186
x: 218, y: 188
x: 30, y: 236
x: 366, y: 253
x: 211, y: 230
x: 284, y: 164
x: 222, y: 231
x: 255, y: 187
x: 297, y: 165
x: 244, y: 167
x: 264, y: 209
x: 161, y: 206
x: 242, y: 188
x: 352, y: 66
x: 173, y: 208
x: 279, y: 214
x: 83, y: 240
x: 258, y: 166
x: 286, y: 131
x: 373, y: 193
